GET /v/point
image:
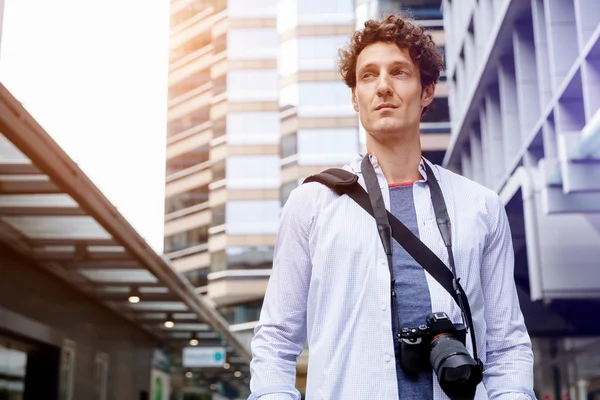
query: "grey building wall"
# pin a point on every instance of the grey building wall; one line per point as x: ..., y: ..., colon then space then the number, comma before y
x: 61, y: 312
x: 525, y: 112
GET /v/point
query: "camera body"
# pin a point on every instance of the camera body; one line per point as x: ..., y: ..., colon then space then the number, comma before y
x: 439, y: 345
x: 416, y: 343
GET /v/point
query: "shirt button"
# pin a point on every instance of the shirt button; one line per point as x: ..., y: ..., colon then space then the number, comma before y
x: 383, y: 262
x: 387, y: 358
x: 383, y: 307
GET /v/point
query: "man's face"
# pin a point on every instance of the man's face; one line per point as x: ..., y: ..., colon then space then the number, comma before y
x: 388, y: 94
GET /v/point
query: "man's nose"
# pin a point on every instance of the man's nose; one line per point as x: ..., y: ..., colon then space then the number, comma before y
x: 384, y: 88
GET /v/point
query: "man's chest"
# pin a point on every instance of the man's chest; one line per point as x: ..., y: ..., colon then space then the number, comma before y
x: 346, y: 250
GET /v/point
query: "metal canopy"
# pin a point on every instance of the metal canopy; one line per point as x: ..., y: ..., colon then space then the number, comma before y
x: 53, y: 214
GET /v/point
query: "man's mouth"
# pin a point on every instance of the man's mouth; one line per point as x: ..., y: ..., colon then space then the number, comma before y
x: 384, y: 106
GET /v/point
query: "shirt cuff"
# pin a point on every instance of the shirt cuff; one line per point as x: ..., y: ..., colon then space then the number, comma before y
x: 279, y: 392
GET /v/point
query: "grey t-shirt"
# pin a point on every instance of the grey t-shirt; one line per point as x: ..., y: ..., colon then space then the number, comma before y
x: 413, y: 301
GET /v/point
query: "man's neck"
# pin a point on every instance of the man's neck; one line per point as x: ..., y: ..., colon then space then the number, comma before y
x: 398, y: 160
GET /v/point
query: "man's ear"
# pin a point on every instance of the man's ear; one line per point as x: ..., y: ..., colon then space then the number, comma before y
x: 427, y: 95
x: 354, y: 100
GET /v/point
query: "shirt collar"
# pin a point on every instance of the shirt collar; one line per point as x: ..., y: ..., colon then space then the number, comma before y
x: 355, y: 166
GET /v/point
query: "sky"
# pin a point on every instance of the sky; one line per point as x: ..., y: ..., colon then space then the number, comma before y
x: 93, y: 73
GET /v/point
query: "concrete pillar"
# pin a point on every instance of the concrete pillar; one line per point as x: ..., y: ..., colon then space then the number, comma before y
x: 582, y: 385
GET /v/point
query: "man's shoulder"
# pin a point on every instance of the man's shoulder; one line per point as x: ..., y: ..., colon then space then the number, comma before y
x: 310, y: 194
x: 466, y: 187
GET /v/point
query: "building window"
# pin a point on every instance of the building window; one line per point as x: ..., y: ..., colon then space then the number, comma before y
x: 288, y: 96
x: 249, y: 257
x: 187, y: 199
x: 219, y: 126
x: 435, y: 156
x: 287, y: 61
x: 252, y: 85
x: 366, y: 11
x: 189, y: 47
x: 219, y: 85
x: 218, y: 215
x: 251, y: 8
x: 252, y: 217
x: 289, y: 145
x: 420, y: 9
x: 253, y: 172
x: 187, y: 239
x: 257, y: 43
x: 442, y: 50
x: 186, y: 13
x: 241, y: 313
x: 242, y: 257
x: 218, y: 171
x: 218, y: 261
x: 437, y: 111
x: 188, y: 121
x: 219, y: 44
x: 327, y: 146
x: 325, y: 7
x: 244, y: 128
x: 309, y: 53
x: 319, y: 52
x: 219, y: 5
x: 187, y: 160
x: 188, y: 84
x: 324, y: 99
x: 197, y: 277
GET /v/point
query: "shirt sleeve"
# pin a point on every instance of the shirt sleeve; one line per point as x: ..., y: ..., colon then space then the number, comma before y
x: 508, y: 371
x: 280, y: 335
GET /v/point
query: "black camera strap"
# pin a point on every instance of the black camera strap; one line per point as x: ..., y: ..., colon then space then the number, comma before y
x: 388, y: 226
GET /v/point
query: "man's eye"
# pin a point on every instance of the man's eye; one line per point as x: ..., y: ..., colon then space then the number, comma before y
x: 400, y: 73
x: 367, y: 75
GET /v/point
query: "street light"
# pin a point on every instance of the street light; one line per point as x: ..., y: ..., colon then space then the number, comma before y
x: 169, y: 322
x: 134, y: 298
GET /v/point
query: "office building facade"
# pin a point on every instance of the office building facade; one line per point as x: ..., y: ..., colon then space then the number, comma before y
x: 319, y: 128
x: 223, y: 169
x: 524, y: 79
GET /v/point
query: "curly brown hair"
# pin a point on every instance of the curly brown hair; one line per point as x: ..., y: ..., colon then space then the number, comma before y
x: 399, y: 29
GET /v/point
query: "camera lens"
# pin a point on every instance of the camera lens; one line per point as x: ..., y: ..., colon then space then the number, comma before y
x: 457, y: 372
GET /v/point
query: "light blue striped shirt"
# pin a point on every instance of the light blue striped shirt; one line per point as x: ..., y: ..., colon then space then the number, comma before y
x: 330, y: 286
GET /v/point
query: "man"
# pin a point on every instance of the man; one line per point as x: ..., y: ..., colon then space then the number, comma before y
x: 330, y: 283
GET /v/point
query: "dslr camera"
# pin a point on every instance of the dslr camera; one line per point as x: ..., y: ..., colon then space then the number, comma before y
x: 440, y: 344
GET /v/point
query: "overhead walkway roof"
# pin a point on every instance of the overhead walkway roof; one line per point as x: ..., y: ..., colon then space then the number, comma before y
x: 52, y: 213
